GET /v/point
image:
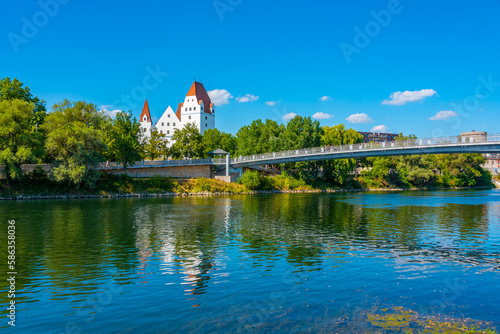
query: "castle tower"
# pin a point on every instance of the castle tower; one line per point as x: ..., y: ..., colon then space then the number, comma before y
x: 145, y: 121
x: 197, y: 108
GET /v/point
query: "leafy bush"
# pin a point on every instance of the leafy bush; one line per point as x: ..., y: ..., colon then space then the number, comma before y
x: 251, y: 180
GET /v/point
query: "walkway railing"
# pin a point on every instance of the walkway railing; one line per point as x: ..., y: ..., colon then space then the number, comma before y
x: 329, y: 150
x: 157, y: 163
x: 398, y: 144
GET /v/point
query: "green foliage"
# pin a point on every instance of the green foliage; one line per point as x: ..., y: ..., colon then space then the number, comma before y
x: 76, y: 133
x: 17, y: 141
x: 156, y: 146
x: 188, y: 143
x: 213, y: 139
x: 251, y: 180
x: 123, y: 140
x: 446, y: 170
x: 286, y: 182
x: 15, y: 90
x: 337, y: 171
x: 300, y: 133
x: 201, y: 185
x: 259, y: 137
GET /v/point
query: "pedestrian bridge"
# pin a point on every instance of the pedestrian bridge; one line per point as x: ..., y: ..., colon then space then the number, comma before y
x: 441, y: 145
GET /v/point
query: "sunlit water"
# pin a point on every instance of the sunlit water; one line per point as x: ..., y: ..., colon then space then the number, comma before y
x: 282, y: 263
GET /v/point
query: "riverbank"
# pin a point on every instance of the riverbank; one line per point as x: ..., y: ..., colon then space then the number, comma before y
x: 206, y: 193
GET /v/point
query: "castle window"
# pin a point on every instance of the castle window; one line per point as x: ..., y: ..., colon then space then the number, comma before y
x: 162, y: 124
x: 189, y: 109
x: 174, y: 124
x: 145, y: 118
x: 186, y: 109
x: 168, y: 132
x: 194, y: 108
x: 206, y: 118
x: 168, y: 124
x: 145, y: 129
x: 168, y: 115
x: 189, y: 117
x: 206, y: 125
x: 161, y: 131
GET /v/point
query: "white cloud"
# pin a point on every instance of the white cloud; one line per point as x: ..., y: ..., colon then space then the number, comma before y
x: 108, y: 110
x: 289, y: 116
x: 444, y: 114
x: 325, y: 98
x: 400, y: 98
x: 359, y: 118
x: 322, y: 115
x: 219, y: 97
x: 271, y: 103
x: 247, y: 98
x: 379, y: 128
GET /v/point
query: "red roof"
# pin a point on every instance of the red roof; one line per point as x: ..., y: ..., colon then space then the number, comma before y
x: 201, y: 94
x: 145, y: 112
x: 179, y: 110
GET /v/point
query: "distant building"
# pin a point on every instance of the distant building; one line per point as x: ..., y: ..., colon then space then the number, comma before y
x: 492, y: 163
x: 197, y: 108
x: 378, y: 137
x: 476, y: 136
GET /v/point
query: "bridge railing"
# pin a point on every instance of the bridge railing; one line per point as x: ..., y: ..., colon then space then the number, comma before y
x: 156, y: 163
x: 397, y: 144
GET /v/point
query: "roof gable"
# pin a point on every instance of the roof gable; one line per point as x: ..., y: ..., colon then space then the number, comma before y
x: 145, y: 112
x: 197, y: 89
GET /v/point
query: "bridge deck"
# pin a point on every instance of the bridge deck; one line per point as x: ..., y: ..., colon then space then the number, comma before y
x: 442, y: 145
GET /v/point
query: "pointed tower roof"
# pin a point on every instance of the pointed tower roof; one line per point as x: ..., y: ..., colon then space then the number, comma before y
x: 201, y: 94
x: 145, y: 112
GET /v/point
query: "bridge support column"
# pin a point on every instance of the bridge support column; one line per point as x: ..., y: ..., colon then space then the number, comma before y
x: 228, y: 159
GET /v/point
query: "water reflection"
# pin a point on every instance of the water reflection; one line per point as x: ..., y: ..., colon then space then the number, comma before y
x: 211, y: 252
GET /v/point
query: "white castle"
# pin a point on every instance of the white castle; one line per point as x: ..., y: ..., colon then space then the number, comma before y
x: 197, y: 108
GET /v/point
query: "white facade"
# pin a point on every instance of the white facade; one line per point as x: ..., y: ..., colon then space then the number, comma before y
x: 197, y: 108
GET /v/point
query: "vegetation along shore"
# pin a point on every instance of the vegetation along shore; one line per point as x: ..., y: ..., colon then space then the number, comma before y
x: 76, y: 136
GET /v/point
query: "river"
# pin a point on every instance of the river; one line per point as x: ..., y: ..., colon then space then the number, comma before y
x: 244, y: 263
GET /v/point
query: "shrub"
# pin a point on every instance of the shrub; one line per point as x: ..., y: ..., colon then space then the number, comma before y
x: 250, y: 180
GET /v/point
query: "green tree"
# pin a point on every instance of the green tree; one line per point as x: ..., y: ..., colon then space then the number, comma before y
x: 213, y: 139
x: 16, y: 138
x: 123, y: 140
x: 337, y: 171
x: 76, y: 136
x: 258, y: 137
x: 15, y: 89
x: 188, y: 143
x: 156, y: 145
x: 301, y: 132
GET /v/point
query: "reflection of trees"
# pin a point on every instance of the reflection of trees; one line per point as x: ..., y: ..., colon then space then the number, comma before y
x: 74, y: 243
x: 310, y: 226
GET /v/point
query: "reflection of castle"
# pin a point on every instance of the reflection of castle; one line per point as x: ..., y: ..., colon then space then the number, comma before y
x: 197, y: 108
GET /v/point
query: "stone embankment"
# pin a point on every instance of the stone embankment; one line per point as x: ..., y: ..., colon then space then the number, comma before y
x: 256, y: 192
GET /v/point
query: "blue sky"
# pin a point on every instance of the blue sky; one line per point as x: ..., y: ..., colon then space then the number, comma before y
x: 413, y: 66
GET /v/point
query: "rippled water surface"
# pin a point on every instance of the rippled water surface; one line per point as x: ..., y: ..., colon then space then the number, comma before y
x: 282, y: 263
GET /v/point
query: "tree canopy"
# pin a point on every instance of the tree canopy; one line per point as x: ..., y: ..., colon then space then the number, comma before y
x: 123, y: 140
x: 188, y: 143
x: 76, y: 139
x: 17, y: 141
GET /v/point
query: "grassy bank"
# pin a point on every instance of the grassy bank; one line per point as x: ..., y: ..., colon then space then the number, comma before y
x: 38, y: 184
